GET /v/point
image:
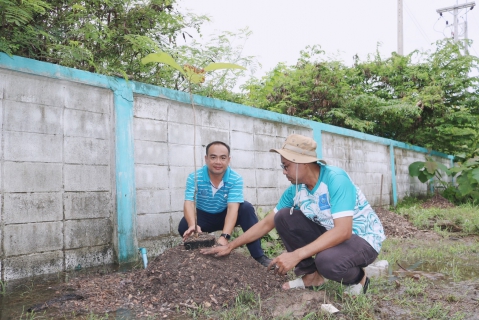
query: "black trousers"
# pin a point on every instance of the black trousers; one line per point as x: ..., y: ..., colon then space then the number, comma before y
x: 342, y: 263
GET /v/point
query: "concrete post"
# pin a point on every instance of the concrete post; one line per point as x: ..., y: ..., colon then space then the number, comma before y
x: 127, y: 244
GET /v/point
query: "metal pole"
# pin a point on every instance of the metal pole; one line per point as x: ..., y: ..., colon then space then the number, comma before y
x: 456, y: 27
x: 400, y: 28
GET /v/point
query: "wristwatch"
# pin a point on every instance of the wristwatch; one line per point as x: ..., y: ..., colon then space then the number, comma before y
x: 225, y: 235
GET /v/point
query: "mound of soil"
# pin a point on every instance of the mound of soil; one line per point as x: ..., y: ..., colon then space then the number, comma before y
x: 438, y: 201
x: 177, y: 279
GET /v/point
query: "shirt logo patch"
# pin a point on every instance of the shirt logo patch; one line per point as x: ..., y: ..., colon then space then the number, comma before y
x: 323, y: 202
x: 203, y: 192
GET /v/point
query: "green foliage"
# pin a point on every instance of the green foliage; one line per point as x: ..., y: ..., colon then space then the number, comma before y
x: 426, y: 99
x: 466, y: 173
x: 428, y: 170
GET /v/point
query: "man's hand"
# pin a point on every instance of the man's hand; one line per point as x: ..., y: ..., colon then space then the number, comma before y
x: 222, y: 241
x: 217, y: 251
x: 284, y: 262
x: 190, y: 231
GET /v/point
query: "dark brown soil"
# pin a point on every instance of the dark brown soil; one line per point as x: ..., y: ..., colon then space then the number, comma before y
x: 180, y: 280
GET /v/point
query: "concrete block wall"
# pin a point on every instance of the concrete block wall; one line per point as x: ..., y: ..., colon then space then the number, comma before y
x: 55, y: 177
x: 367, y: 163
x: 164, y: 158
x: 75, y: 146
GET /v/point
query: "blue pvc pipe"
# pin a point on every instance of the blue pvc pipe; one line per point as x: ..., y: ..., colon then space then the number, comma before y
x: 144, y: 257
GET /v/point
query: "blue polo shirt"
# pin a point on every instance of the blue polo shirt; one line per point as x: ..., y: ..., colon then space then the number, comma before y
x: 335, y: 196
x: 230, y: 192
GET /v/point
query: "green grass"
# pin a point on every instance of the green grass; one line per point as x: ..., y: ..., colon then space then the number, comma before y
x: 464, y: 216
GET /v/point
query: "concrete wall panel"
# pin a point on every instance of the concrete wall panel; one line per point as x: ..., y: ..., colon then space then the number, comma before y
x: 242, y: 159
x: 87, y: 205
x: 150, y: 108
x: 80, y: 150
x: 25, y: 87
x: 24, y: 146
x: 242, y: 123
x: 178, y: 176
x: 151, y: 177
x: 268, y: 196
x: 32, y: 117
x: 87, y: 233
x: 209, y: 135
x: 32, y: 265
x: 88, y: 257
x: 151, y: 152
x: 86, y: 178
x: 177, y: 199
x: 32, y: 207
x: 32, y: 177
x: 88, y: 98
x: 183, y: 113
x: 152, y: 201
x: 242, y: 140
x: 249, y: 177
x: 150, y: 130
x: 267, y: 160
x: 153, y: 225
x: 33, y: 237
x: 215, y: 119
x: 86, y: 124
x: 266, y: 179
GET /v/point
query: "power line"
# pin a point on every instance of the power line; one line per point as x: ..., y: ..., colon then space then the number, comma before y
x: 418, y: 26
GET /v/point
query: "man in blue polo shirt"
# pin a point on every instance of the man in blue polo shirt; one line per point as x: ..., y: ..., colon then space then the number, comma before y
x: 219, y: 203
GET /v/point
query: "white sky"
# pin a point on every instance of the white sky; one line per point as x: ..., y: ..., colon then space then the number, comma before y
x: 281, y: 28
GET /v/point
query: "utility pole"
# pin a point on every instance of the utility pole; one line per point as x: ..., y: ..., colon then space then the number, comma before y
x: 400, y: 28
x: 455, y: 10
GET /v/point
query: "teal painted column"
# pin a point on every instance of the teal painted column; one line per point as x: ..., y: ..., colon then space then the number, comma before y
x: 125, y: 171
x: 393, y: 175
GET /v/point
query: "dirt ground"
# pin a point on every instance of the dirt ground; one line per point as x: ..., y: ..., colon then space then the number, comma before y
x: 180, y: 280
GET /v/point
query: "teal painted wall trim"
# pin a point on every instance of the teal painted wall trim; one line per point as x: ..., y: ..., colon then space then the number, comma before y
x: 125, y: 171
x: 393, y: 175
x: 51, y: 70
x: 154, y: 91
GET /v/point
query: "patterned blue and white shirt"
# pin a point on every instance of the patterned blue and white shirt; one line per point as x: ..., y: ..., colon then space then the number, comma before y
x: 335, y: 196
x: 211, y: 200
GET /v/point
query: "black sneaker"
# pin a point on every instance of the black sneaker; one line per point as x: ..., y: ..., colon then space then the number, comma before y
x: 264, y: 260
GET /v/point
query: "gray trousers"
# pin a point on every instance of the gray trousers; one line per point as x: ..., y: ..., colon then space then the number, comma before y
x: 342, y: 263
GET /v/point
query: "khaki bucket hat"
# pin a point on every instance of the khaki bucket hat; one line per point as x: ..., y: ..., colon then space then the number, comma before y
x: 298, y: 149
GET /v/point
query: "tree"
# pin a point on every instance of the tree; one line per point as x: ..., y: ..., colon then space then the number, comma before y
x: 107, y: 37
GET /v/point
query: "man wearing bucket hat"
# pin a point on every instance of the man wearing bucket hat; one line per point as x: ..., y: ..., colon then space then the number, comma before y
x: 322, y: 214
